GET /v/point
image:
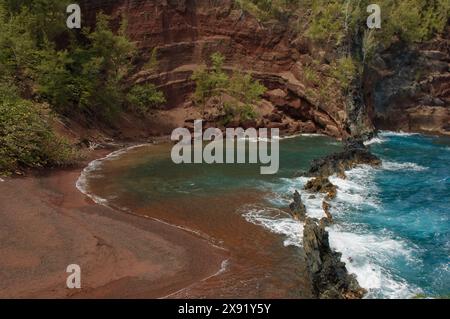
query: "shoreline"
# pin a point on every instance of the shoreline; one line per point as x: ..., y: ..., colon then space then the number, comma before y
x: 48, y: 224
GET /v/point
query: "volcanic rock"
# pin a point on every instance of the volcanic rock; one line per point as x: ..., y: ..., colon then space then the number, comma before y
x: 355, y: 153
x: 329, y: 276
x: 298, y: 209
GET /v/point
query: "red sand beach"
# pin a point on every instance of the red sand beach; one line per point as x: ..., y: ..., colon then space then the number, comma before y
x: 47, y: 224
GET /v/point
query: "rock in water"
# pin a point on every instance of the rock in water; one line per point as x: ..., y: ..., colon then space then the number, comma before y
x: 355, y: 153
x: 321, y: 184
x: 326, y: 208
x: 329, y: 276
x: 298, y: 209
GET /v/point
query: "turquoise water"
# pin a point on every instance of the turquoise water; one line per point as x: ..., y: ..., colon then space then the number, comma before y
x: 391, y: 223
x: 412, y: 197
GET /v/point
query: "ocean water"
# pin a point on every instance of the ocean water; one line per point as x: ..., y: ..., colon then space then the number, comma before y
x: 391, y: 223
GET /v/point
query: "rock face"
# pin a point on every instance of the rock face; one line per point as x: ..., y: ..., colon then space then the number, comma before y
x: 355, y: 153
x: 185, y: 33
x: 298, y: 209
x: 408, y: 89
x: 330, y: 279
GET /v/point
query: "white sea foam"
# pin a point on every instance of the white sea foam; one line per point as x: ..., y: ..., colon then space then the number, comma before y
x: 393, y: 134
x: 91, y: 171
x: 287, y: 137
x: 277, y: 222
x: 357, y: 189
x: 375, y: 140
x: 394, y: 166
x: 366, y: 255
x: 283, y: 196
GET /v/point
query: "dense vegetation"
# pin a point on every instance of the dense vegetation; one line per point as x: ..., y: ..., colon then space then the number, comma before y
x: 75, y: 73
x: 342, y: 24
x: 215, y: 82
x: 48, y: 71
x: 27, y: 139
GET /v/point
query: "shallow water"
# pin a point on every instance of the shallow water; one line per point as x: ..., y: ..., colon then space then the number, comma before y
x: 392, y: 224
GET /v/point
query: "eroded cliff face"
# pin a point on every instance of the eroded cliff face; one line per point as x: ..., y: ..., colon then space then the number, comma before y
x: 186, y: 32
x: 408, y: 89
x: 405, y: 89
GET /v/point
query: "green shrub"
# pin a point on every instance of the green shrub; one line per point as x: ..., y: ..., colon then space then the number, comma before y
x: 310, y: 75
x: 210, y: 82
x: 264, y: 10
x: 327, y: 21
x: 27, y: 140
x: 240, y: 86
x: 345, y: 71
x: 244, y: 88
x: 145, y: 97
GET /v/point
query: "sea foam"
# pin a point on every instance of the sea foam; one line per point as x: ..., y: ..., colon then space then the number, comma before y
x: 366, y: 255
x: 92, y: 171
x: 394, y: 166
x: 277, y: 222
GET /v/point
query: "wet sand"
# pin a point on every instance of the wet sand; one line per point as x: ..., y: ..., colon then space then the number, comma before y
x: 47, y: 224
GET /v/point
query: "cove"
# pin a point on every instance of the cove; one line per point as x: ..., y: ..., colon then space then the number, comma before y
x: 391, y: 223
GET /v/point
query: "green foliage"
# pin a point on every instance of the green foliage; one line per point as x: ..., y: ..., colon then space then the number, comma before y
x: 410, y: 21
x: 369, y: 45
x: 27, y: 140
x: 145, y: 97
x: 75, y: 73
x: 310, y: 75
x: 265, y: 10
x: 247, y: 113
x: 242, y: 87
x: 210, y: 82
x: 152, y: 63
x: 243, y: 113
x: 87, y: 76
x: 327, y: 21
x: 345, y: 71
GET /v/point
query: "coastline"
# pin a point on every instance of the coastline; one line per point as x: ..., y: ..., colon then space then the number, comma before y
x: 48, y: 224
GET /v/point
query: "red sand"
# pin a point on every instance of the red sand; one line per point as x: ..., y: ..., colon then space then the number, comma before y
x: 47, y: 224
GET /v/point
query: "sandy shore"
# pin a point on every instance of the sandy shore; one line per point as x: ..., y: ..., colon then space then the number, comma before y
x: 47, y: 224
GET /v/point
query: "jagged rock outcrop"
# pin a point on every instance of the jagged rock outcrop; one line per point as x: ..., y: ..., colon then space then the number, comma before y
x: 354, y: 153
x: 321, y: 184
x: 329, y: 276
x: 297, y: 208
x: 326, y: 208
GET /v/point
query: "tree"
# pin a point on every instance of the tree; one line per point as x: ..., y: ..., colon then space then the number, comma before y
x: 145, y: 97
x: 215, y: 82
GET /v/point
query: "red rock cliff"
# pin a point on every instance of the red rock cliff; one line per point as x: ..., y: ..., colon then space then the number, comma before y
x: 186, y: 32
